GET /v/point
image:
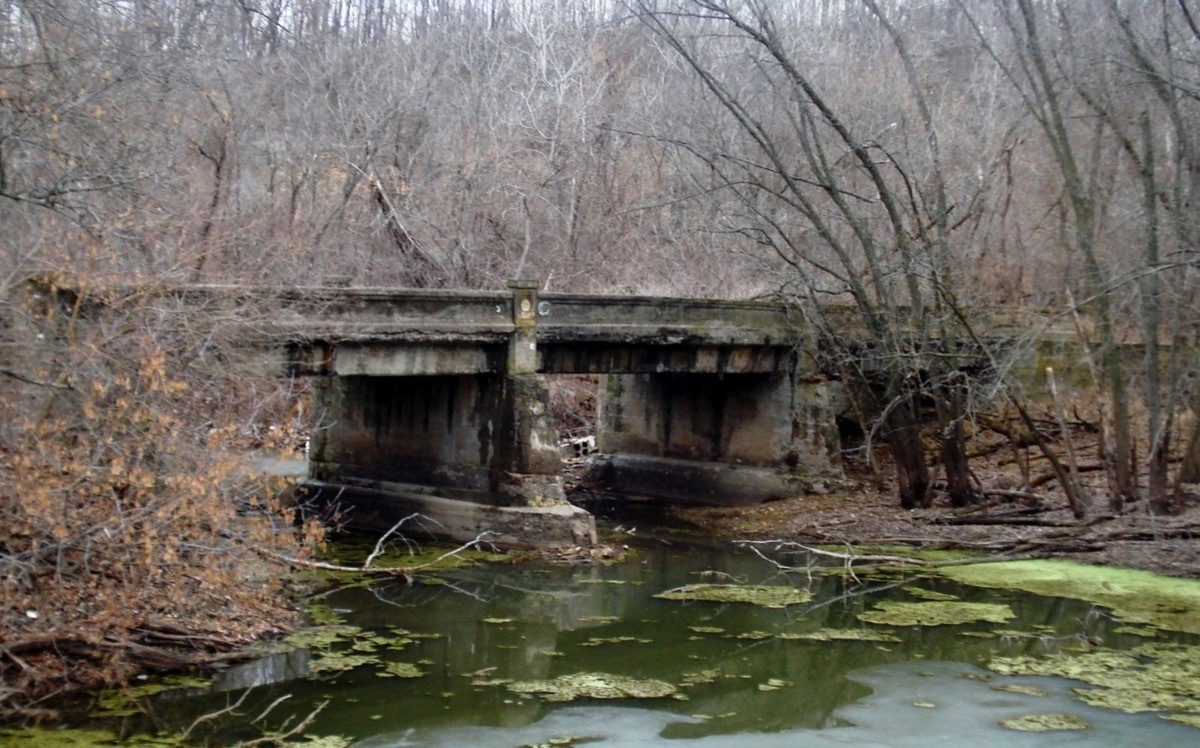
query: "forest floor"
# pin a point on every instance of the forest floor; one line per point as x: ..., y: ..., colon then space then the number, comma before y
x: 1011, y: 519
x: 860, y: 512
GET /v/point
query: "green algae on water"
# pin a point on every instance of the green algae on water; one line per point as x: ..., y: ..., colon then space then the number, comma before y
x: 323, y: 615
x: 1146, y: 632
x: 1191, y: 720
x: 1045, y: 723
x: 700, y: 677
x: 925, y: 594
x: 37, y: 737
x: 1018, y: 688
x: 597, y: 641
x: 768, y: 596
x: 754, y: 636
x: 1134, y: 596
x: 340, y: 662
x: 320, y: 637
x: 318, y: 741
x: 935, y: 613
x: 123, y: 702
x: 563, y: 740
x: 594, y: 686
x: 1151, y: 677
x: 846, y: 635
x: 400, y: 670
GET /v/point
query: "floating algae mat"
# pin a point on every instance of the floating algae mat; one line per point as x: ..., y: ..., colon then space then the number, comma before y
x: 537, y: 654
x: 1045, y: 723
x: 1134, y: 596
x: 595, y: 686
x: 936, y: 613
x: 768, y: 596
x: 1151, y: 677
x: 846, y: 635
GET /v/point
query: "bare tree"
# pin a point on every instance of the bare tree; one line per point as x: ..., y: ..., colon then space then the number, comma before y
x: 1119, y: 117
x: 845, y: 200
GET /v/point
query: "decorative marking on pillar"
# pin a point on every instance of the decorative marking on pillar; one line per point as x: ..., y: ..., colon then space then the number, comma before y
x: 522, y: 349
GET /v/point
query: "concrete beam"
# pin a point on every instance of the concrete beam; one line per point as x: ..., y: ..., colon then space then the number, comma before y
x: 377, y: 507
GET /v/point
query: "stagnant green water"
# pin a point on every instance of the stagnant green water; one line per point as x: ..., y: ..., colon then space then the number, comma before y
x: 434, y: 663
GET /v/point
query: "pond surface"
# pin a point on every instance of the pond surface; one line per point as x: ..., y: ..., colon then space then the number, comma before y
x: 440, y: 662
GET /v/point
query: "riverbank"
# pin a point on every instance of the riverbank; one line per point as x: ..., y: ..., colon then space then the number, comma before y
x: 857, y: 513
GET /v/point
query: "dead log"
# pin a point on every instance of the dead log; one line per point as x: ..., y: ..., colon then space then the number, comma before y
x: 1008, y: 519
x: 1043, y: 478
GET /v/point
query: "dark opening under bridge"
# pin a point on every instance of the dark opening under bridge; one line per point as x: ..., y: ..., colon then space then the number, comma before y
x: 435, y: 402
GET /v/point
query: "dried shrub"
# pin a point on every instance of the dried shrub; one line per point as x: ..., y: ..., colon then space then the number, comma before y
x: 130, y: 524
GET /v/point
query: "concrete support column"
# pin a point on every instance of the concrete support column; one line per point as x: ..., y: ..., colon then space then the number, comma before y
x: 527, y: 463
x: 525, y: 469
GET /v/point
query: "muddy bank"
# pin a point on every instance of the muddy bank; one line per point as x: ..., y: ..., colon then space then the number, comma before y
x: 856, y: 514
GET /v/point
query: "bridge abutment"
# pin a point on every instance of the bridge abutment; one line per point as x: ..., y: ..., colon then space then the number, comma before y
x: 470, y: 453
x: 724, y: 439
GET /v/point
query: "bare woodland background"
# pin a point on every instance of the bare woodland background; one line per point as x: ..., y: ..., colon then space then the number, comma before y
x: 459, y: 142
x: 913, y: 158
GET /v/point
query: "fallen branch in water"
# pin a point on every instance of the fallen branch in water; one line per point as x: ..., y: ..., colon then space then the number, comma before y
x: 850, y: 558
x: 868, y: 557
x: 406, y: 572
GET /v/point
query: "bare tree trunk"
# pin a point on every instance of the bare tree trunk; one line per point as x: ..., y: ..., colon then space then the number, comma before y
x: 903, y: 430
x: 950, y: 411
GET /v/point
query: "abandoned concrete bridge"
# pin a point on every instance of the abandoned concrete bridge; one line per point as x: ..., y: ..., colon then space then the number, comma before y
x: 435, y: 402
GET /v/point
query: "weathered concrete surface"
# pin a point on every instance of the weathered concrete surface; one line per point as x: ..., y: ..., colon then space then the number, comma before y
x: 713, y: 439
x: 693, y: 481
x: 443, y: 389
x: 415, y: 359
x: 422, y: 430
x: 377, y: 507
x: 482, y: 433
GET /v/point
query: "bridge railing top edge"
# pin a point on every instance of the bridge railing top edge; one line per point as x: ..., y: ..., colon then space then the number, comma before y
x: 689, y: 301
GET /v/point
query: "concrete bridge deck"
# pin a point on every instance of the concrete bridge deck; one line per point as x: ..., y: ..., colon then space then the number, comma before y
x: 350, y: 331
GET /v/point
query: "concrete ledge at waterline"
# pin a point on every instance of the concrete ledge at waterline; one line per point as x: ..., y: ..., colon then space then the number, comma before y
x: 692, y: 481
x: 378, y: 509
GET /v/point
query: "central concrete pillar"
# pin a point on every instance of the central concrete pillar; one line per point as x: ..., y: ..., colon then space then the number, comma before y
x: 527, y: 464
x: 724, y: 439
x: 473, y: 451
